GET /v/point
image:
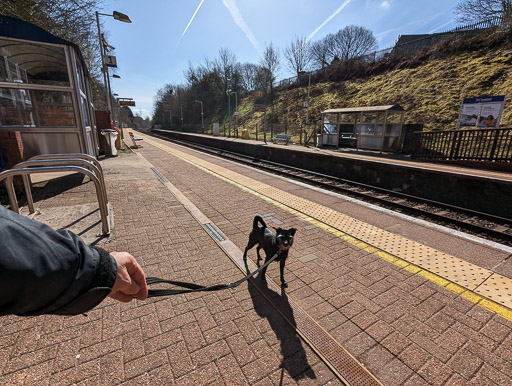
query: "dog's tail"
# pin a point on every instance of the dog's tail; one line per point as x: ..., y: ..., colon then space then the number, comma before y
x: 258, y: 219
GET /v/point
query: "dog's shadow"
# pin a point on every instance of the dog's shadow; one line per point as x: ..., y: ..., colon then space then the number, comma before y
x: 294, y: 357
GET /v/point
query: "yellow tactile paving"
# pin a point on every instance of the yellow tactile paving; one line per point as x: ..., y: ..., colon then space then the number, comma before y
x: 455, y: 274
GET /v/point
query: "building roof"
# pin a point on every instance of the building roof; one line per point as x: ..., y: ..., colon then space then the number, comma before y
x: 364, y: 109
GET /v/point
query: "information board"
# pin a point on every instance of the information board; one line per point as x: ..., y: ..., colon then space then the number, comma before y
x: 482, y: 112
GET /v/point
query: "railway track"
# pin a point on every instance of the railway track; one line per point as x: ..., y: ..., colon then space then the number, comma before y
x: 490, y: 227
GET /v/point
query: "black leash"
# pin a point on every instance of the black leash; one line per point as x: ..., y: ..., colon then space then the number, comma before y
x: 197, y: 287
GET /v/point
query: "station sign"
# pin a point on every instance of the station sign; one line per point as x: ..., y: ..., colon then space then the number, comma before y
x: 110, y: 61
x: 127, y: 103
x: 260, y: 108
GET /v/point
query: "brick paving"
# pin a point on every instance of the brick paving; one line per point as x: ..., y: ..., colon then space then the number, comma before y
x: 403, y: 328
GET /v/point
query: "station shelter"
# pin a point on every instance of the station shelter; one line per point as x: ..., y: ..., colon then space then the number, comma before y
x: 373, y: 128
x: 45, y: 94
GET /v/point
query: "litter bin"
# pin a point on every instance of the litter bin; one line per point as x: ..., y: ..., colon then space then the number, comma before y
x: 319, y: 140
x: 111, y: 136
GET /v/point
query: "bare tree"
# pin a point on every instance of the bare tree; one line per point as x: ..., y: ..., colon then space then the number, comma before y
x: 473, y: 11
x: 297, y: 55
x: 321, y: 51
x: 248, y: 76
x: 353, y: 41
x: 270, y: 65
x: 227, y: 62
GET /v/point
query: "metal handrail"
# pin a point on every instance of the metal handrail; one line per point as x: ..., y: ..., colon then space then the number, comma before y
x: 103, y: 205
x: 87, y: 157
x: 57, y: 162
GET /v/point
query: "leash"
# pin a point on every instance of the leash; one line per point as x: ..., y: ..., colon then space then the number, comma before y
x: 191, y: 287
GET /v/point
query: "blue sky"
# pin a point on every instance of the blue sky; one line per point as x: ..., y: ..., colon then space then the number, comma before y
x: 165, y: 35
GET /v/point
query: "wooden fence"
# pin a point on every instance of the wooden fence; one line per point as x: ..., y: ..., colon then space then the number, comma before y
x: 480, y: 145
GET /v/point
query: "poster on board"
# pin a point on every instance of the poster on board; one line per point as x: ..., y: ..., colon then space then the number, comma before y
x: 482, y: 112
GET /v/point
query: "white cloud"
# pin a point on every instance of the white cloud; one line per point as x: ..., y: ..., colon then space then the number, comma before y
x: 190, y: 22
x: 385, y: 4
x: 340, y: 8
x: 240, y: 22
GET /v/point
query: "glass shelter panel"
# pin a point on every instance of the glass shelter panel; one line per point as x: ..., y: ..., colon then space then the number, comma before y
x: 36, y: 108
x: 25, y: 62
x: 330, y: 123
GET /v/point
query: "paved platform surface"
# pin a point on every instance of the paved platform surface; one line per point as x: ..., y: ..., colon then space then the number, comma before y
x: 404, y: 327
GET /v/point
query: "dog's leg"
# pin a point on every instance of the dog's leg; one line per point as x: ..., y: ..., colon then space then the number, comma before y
x: 264, y: 271
x: 258, y: 253
x: 251, y: 243
x: 281, y: 265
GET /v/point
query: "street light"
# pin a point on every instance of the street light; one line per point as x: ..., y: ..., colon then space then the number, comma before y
x: 228, y: 93
x: 117, y: 16
x: 236, y: 109
x: 170, y: 118
x: 202, y: 118
x: 306, y: 104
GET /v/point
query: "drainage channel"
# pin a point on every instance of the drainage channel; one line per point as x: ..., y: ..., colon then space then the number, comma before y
x: 340, y: 361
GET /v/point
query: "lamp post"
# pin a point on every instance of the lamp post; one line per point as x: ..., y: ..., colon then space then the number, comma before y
x: 236, y: 111
x: 306, y: 104
x: 125, y: 19
x: 115, y: 76
x: 202, y: 118
x: 228, y: 92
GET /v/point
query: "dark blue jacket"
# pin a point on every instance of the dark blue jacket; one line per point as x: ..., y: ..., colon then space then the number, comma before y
x: 43, y: 271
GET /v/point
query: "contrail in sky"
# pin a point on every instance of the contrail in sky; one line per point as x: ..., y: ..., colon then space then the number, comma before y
x: 240, y: 22
x: 441, y: 26
x: 312, y: 34
x: 190, y: 22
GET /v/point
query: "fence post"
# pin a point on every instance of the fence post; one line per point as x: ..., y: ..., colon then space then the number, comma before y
x: 494, y: 145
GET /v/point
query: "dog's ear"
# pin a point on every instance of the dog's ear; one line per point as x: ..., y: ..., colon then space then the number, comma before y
x: 292, y: 231
x: 277, y: 229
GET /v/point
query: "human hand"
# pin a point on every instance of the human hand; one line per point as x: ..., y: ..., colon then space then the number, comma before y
x: 130, y: 281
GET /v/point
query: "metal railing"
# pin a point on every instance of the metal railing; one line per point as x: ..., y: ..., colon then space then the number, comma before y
x: 79, y: 163
x: 491, y: 145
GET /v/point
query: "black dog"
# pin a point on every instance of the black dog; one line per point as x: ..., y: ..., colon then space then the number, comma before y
x: 279, y: 243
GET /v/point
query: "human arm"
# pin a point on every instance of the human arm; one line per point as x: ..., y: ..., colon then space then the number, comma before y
x: 43, y: 271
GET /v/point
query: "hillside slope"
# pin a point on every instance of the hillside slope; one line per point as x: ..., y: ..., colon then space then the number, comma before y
x: 431, y: 93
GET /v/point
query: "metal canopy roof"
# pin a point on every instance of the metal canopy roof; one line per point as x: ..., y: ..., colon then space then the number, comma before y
x: 366, y: 109
x: 25, y: 51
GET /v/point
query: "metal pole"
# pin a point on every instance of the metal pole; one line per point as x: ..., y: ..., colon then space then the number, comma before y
x: 307, y: 108
x: 229, y: 113
x: 236, y: 113
x: 202, y: 117
x: 265, y: 126
x: 181, y: 108
x: 103, y: 67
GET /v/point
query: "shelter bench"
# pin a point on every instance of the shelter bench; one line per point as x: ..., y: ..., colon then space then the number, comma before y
x: 282, y: 138
x: 135, y: 139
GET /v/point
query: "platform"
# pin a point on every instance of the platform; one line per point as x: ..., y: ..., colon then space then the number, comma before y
x: 476, y: 189
x: 373, y: 283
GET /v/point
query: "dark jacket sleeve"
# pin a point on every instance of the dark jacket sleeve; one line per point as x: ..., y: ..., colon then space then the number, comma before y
x: 44, y: 271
